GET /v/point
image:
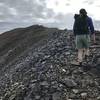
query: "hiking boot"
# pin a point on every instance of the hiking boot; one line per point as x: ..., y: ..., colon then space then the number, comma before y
x: 77, y: 63
x: 86, y: 58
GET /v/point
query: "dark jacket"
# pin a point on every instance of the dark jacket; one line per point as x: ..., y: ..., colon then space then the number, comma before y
x: 83, y: 26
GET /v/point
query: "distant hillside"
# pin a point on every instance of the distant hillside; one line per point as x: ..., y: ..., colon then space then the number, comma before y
x: 15, y: 42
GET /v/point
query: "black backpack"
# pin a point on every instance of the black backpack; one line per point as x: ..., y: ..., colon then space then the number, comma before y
x: 81, y: 24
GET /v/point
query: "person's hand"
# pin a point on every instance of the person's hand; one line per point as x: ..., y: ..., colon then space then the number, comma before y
x: 93, y: 37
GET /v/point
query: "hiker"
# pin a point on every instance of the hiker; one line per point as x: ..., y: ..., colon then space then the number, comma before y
x: 83, y: 28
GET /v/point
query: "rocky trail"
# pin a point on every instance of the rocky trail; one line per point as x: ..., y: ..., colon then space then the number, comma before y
x: 45, y: 72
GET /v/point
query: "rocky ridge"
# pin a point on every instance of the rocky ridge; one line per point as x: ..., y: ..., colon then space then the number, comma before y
x: 44, y: 72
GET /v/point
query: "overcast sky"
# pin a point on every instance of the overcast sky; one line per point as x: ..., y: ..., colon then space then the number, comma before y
x: 52, y: 13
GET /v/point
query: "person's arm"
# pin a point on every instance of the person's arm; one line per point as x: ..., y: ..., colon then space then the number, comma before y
x: 91, y: 25
x: 92, y: 29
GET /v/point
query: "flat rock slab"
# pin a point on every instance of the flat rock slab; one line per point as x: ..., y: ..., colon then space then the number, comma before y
x: 95, y: 46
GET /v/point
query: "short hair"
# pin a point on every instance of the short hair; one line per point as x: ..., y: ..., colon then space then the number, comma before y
x: 83, y: 11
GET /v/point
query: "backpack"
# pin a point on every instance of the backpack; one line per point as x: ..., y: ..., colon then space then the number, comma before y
x: 81, y: 24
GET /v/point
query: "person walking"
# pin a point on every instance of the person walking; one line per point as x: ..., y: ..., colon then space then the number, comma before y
x: 83, y: 28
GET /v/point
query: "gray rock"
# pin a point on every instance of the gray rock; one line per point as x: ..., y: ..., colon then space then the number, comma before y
x: 44, y: 83
x: 56, y: 96
x: 75, y: 91
x: 83, y: 95
x: 98, y: 98
x: 70, y: 82
x: 37, y: 97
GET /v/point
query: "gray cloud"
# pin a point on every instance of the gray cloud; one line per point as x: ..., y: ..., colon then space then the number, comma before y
x: 28, y: 12
x: 65, y: 20
x: 97, y: 24
x: 98, y: 5
x: 23, y: 8
x: 25, y: 11
x: 56, y: 3
x: 4, y: 12
x: 89, y: 2
x: 67, y: 4
x: 61, y: 21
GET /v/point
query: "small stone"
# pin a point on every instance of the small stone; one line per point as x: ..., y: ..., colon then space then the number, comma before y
x: 37, y: 97
x: 72, y: 95
x: 56, y: 96
x: 15, y: 84
x: 75, y: 91
x: 12, y: 97
x: 51, y: 66
x: 70, y: 83
x: 98, y: 98
x: 63, y: 70
x: 67, y: 53
x: 44, y: 83
x: 83, y: 95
